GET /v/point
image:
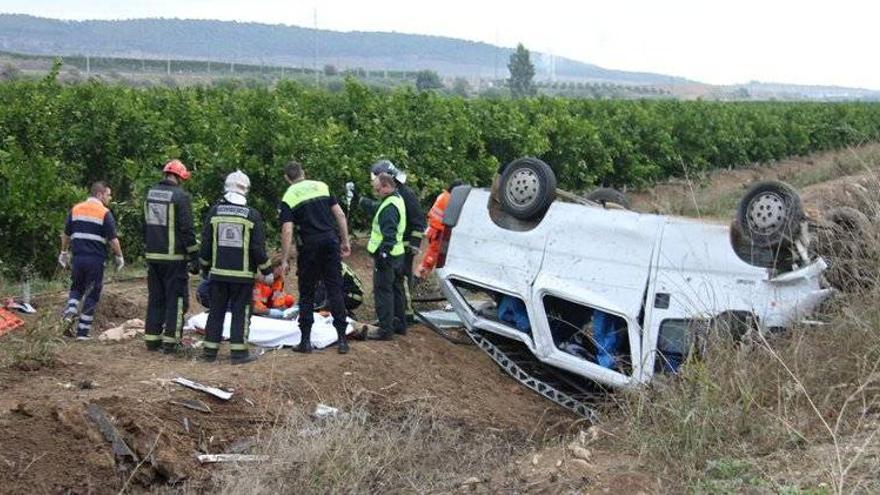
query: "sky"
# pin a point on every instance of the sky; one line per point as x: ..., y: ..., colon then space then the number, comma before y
x: 716, y: 42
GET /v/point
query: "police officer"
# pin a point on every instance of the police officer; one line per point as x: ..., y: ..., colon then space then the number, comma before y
x: 89, y: 228
x: 415, y: 224
x: 233, y: 249
x: 321, y: 243
x: 170, y: 242
x: 386, y: 247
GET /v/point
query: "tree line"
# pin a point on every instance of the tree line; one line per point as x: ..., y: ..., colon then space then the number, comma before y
x: 55, y: 139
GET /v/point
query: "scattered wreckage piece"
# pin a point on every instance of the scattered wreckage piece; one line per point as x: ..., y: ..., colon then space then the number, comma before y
x: 124, y: 455
x: 216, y: 392
x: 195, y: 405
x: 217, y: 458
x: 323, y: 411
x: 443, y: 318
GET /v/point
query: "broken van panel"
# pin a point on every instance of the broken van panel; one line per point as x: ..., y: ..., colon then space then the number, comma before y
x: 659, y: 278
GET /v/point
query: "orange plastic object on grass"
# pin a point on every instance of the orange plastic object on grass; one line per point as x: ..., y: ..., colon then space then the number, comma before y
x: 9, y: 321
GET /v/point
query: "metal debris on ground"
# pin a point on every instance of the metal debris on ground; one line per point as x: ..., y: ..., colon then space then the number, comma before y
x: 195, y: 405
x: 216, y: 392
x: 324, y: 411
x: 443, y: 318
x: 121, y: 451
x: 212, y: 458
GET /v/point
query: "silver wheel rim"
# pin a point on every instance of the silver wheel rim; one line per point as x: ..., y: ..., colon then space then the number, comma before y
x: 523, y: 187
x: 767, y: 213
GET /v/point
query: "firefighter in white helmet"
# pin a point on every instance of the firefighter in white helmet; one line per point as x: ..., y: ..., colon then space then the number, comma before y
x: 233, y: 249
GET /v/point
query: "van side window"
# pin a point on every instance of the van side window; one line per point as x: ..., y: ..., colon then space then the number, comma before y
x: 675, y: 342
x: 497, y: 306
x: 589, y: 333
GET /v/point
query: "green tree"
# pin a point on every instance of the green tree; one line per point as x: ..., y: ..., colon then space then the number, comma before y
x: 521, y: 73
x: 461, y: 87
x: 428, y: 79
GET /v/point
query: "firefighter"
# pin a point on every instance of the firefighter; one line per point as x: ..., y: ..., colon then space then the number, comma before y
x: 434, y: 234
x: 233, y: 249
x: 414, y: 228
x: 321, y: 232
x: 89, y: 228
x: 170, y: 243
x: 270, y: 298
x: 386, y: 247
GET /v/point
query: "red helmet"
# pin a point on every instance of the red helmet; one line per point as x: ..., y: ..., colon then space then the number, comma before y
x: 177, y: 168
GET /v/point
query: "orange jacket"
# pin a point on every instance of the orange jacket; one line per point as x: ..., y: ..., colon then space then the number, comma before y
x: 268, y: 297
x: 435, y: 231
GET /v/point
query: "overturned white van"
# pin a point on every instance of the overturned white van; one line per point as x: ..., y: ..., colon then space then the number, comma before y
x: 666, y: 281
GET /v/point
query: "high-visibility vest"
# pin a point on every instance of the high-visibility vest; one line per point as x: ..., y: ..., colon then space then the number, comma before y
x: 376, y: 234
x: 435, y: 215
x: 303, y: 191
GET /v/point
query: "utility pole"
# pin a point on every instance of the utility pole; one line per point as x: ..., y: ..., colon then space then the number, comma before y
x: 495, y: 78
x: 88, y: 66
x: 315, y: 58
x: 168, y: 67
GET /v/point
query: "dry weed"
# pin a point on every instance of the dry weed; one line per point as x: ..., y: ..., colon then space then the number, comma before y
x: 365, y: 450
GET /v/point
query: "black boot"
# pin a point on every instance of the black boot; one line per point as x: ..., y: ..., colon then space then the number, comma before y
x: 169, y: 348
x: 305, y: 342
x: 208, y: 357
x: 342, y: 346
x: 242, y: 357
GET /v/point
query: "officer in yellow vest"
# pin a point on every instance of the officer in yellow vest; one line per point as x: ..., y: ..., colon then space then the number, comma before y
x: 321, y: 232
x: 386, y: 247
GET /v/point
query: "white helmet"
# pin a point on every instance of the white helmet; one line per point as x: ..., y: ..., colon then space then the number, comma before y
x: 236, y: 187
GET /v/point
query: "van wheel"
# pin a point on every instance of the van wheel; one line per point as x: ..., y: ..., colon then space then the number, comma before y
x: 527, y: 187
x: 770, y: 213
x: 605, y: 195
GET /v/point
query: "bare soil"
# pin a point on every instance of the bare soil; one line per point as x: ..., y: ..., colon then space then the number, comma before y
x: 49, y: 445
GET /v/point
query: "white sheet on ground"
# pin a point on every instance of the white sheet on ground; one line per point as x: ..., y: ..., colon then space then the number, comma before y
x: 269, y: 332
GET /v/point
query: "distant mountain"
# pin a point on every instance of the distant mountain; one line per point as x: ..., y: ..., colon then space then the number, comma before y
x: 252, y: 43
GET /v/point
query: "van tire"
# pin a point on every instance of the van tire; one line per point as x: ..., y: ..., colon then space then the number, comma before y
x: 770, y: 213
x: 605, y: 195
x: 526, y: 188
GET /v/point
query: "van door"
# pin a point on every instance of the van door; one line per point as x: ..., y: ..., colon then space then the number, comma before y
x: 599, y: 259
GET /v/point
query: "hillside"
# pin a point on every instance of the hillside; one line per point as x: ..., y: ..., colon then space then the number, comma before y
x: 284, y: 45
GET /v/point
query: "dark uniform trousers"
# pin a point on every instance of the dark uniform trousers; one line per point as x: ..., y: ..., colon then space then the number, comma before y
x: 388, y: 293
x: 86, y: 286
x: 238, y: 297
x: 315, y: 262
x: 167, y: 302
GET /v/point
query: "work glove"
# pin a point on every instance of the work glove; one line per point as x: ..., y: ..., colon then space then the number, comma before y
x: 352, y: 196
x: 64, y: 259
x: 120, y: 262
x: 269, y: 279
x: 193, y: 268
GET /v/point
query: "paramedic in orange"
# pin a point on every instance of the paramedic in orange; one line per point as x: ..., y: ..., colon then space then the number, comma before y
x: 269, y: 296
x: 435, y: 230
